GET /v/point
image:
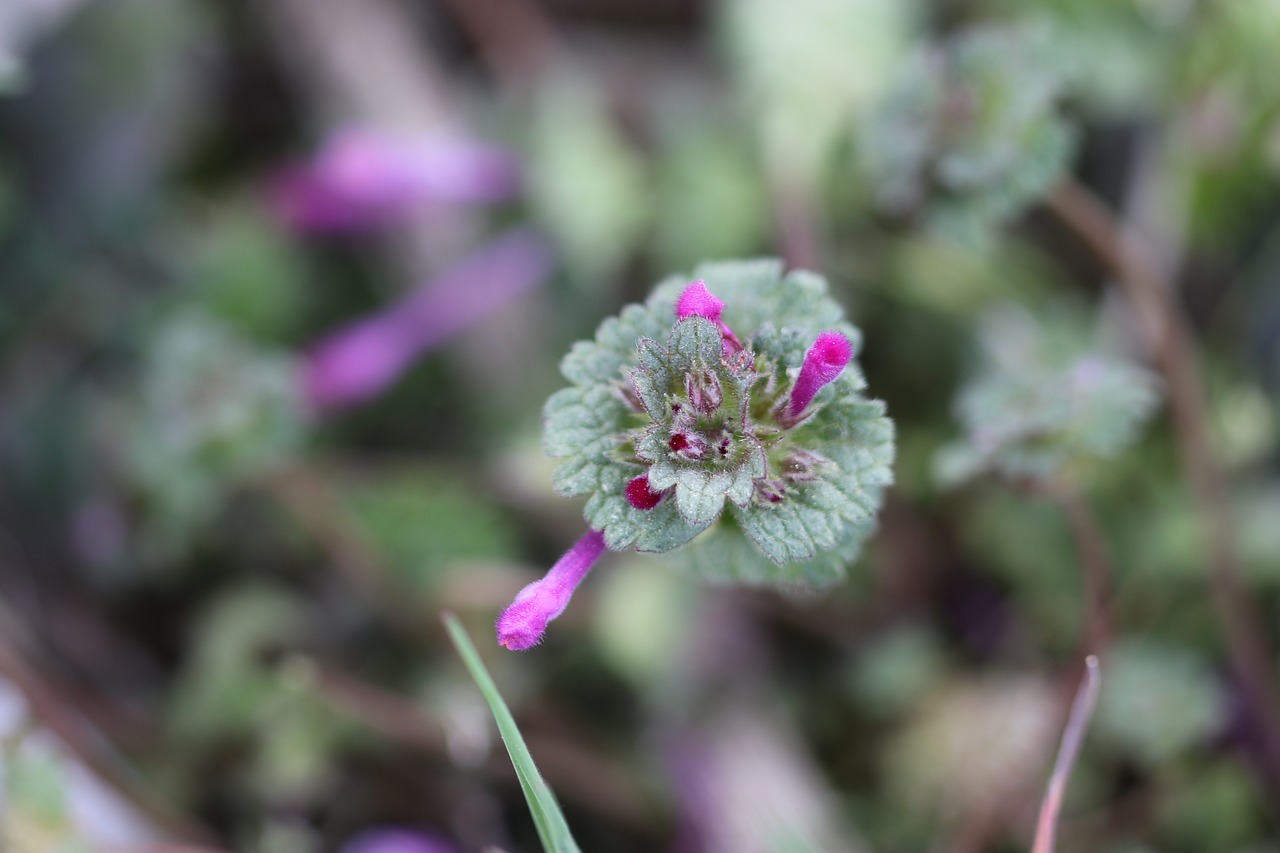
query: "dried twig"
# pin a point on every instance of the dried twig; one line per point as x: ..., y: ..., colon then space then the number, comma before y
x: 1077, y: 723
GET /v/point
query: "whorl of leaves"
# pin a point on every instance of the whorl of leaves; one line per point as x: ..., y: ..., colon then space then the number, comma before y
x: 804, y: 494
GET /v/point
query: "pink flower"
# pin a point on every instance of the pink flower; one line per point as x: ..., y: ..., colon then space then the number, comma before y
x: 824, y: 361
x: 362, y: 178
x: 358, y: 360
x: 522, y: 624
x: 696, y: 301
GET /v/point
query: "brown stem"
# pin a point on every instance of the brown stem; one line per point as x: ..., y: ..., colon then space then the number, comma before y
x: 1072, y: 737
x: 1169, y: 338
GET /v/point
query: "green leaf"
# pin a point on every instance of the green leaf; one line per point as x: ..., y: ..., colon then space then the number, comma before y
x: 553, y: 830
x: 613, y: 350
x: 652, y: 379
x: 700, y: 493
x: 582, y: 425
x: 723, y: 555
x: 655, y: 530
x: 694, y: 343
x: 793, y: 530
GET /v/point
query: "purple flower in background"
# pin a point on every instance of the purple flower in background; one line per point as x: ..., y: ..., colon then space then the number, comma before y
x: 522, y: 624
x: 396, y: 841
x: 363, y: 179
x: 360, y: 359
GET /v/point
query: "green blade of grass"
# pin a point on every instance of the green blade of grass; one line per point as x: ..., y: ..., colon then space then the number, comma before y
x: 550, y: 822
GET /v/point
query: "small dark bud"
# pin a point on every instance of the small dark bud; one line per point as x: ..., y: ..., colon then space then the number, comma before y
x: 640, y: 496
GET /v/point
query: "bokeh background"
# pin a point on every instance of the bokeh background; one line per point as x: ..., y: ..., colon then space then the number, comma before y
x: 284, y: 284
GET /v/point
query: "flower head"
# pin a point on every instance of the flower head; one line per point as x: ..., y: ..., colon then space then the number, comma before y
x: 696, y: 413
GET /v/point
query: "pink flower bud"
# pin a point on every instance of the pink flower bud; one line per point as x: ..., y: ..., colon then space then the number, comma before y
x: 824, y: 361
x: 640, y: 496
x: 523, y: 623
x: 697, y: 301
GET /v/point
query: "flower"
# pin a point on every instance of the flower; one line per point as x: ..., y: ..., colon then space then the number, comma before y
x: 361, y: 358
x: 824, y: 361
x: 362, y: 178
x: 523, y: 623
x: 728, y: 406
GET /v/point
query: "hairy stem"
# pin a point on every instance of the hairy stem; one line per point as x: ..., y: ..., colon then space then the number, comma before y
x: 1143, y: 282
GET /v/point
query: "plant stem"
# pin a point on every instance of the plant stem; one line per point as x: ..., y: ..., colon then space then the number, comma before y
x: 1169, y: 338
x: 1077, y: 723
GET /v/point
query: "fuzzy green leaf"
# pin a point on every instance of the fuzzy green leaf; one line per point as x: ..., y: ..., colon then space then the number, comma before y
x: 700, y: 493
x: 581, y: 426
x: 694, y: 343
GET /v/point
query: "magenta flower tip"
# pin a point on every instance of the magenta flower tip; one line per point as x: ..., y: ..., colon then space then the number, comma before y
x: 697, y: 301
x: 824, y: 361
x: 523, y: 623
x: 640, y: 495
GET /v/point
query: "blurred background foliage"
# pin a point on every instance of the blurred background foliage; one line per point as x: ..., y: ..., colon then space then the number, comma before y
x: 268, y: 407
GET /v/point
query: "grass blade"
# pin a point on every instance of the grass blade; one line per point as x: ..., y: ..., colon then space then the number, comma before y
x: 550, y: 822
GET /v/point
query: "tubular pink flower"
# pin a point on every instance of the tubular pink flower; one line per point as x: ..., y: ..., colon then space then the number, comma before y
x: 824, y: 361
x: 358, y: 360
x: 697, y: 301
x: 522, y: 624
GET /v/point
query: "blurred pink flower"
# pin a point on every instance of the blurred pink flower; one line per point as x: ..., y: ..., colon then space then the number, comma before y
x: 396, y: 841
x: 362, y: 178
x: 358, y: 360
